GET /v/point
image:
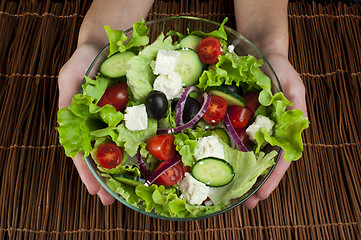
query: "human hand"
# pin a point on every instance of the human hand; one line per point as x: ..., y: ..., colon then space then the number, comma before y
x: 294, y: 90
x: 69, y: 81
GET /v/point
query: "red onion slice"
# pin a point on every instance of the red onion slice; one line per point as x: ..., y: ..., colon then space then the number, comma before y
x: 206, y: 100
x: 168, y: 164
x: 234, y: 134
x: 143, y: 169
x: 182, y: 102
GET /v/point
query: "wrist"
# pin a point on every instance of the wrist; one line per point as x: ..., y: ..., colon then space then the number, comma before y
x: 265, y: 24
x: 272, y: 46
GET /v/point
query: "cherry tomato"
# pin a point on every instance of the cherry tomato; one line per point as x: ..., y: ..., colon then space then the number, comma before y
x: 216, y: 110
x: 209, y: 49
x: 252, y: 102
x: 241, y: 132
x: 115, y: 95
x: 172, y: 176
x: 239, y: 116
x: 109, y: 155
x: 162, y: 146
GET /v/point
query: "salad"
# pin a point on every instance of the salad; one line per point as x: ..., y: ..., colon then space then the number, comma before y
x: 179, y: 126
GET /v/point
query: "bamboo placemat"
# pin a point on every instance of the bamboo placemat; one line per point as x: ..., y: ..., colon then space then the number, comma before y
x: 42, y: 197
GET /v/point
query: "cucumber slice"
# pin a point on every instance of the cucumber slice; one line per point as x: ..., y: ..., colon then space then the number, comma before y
x: 230, y: 97
x: 189, y: 67
x: 191, y: 41
x: 128, y: 179
x: 214, y: 172
x: 116, y: 65
x: 223, y: 135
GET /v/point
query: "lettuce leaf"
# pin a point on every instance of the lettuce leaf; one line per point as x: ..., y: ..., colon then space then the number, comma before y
x: 78, y: 121
x: 117, y: 38
x: 247, y: 168
x: 131, y: 140
x: 243, y: 71
x: 114, y: 36
x: 124, y: 190
x: 220, y: 33
x: 95, y: 88
x: 166, y: 202
x: 287, y: 130
x: 186, y: 142
x: 140, y: 74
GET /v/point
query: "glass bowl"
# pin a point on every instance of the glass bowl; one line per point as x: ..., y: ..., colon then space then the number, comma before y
x: 242, y: 46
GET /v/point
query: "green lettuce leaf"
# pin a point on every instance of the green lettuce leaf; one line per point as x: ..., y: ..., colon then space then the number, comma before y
x: 247, y: 168
x: 114, y: 37
x: 138, y: 39
x: 166, y: 202
x: 78, y: 121
x: 287, y: 129
x: 131, y: 140
x: 117, y: 38
x: 140, y: 74
x: 123, y: 168
x: 124, y: 190
x: 95, y: 88
x: 243, y: 71
x: 220, y: 33
x: 74, y: 131
x: 186, y: 142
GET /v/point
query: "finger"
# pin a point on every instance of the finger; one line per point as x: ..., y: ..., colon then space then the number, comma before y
x: 86, y: 175
x: 251, y: 202
x: 270, y: 185
x: 105, y: 197
x: 274, y: 179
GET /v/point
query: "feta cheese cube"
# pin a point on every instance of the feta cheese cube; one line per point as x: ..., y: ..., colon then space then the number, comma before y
x: 136, y: 118
x: 260, y: 122
x: 230, y: 48
x: 166, y: 62
x: 208, y: 147
x: 171, y: 85
x: 193, y: 191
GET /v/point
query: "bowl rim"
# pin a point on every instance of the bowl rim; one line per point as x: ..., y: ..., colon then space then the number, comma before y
x: 151, y: 214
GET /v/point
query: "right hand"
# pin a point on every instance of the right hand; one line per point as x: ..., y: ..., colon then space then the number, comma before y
x: 69, y: 81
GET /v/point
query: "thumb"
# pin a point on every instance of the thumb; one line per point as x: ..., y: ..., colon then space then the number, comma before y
x: 72, y: 73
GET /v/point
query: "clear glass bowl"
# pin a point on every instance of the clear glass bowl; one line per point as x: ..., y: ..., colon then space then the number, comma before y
x: 242, y: 46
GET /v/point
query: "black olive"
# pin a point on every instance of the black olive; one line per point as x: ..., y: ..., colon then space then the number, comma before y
x: 234, y: 88
x: 156, y: 104
x: 191, y: 108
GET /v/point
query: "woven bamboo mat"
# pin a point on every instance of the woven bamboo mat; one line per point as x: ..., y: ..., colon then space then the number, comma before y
x: 42, y: 197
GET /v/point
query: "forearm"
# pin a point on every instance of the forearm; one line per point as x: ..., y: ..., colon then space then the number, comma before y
x: 118, y: 14
x: 265, y: 23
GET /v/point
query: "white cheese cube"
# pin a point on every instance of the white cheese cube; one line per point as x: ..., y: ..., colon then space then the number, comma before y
x: 193, y: 191
x: 208, y: 147
x: 230, y: 48
x: 136, y: 118
x: 260, y: 122
x: 166, y: 62
x: 171, y: 85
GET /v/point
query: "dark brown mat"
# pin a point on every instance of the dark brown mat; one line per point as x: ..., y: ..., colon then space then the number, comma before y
x: 42, y: 197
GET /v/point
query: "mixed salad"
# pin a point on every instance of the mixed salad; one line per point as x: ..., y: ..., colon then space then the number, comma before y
x: 179, y: 127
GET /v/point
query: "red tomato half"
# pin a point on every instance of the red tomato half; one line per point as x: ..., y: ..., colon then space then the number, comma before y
x: 241, y: 132
x: 172, y: 176
x: 209, y: 49
x: 115, y: 95
x: 239, y: 116
x: 252, y: 102
x: 109, y: 155
x: 216, y: 110
x: 161, y: 146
